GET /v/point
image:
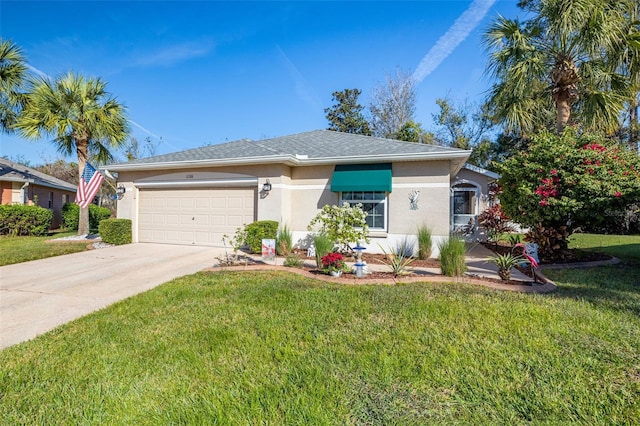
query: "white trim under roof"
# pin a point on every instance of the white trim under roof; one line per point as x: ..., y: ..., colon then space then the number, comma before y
x: 481, y: 171
x: 291, y: 160
x: 197, y: 179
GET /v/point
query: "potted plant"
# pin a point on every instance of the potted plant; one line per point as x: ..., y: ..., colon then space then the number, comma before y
x: 505, y: 262
x: 333, y: 264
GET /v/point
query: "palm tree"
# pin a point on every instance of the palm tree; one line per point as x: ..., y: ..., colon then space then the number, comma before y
x: 12, y: 73
x: 625, y: 58
x: 81, y: 116
x: 555, y: 62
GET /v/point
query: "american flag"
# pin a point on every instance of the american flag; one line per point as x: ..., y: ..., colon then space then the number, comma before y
x: 89, y: 185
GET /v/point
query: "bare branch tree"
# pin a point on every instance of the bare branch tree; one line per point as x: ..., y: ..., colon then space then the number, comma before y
x: 392, y: 104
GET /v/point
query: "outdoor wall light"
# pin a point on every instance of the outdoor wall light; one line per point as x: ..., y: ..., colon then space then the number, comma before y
x: 267, y: 186
x: 121, y: 190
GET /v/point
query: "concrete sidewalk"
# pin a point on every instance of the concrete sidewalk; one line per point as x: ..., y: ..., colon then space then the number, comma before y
x: 479, y: 264
x: 38, y: 296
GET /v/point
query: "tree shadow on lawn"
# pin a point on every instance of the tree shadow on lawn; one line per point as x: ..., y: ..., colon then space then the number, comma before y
x: 615, y: 287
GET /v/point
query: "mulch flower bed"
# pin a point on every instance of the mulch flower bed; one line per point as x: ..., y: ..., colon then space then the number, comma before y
x: 567, y: 256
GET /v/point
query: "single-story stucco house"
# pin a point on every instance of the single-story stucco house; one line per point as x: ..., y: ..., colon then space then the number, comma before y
x: 196, y: 196
x: 20, y: 184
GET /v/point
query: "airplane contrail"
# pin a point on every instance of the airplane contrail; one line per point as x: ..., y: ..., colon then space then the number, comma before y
x: 455, y: 35
x: 38, y: 72
x: 144, y: 130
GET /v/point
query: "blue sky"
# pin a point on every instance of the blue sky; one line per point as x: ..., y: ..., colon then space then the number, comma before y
x: 206, y: 72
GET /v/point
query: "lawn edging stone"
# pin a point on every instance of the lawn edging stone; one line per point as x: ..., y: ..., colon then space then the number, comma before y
x: 547, y: 286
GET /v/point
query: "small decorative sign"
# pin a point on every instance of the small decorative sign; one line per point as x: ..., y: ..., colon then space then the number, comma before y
x: 268, y: 249
x: 532, y: 250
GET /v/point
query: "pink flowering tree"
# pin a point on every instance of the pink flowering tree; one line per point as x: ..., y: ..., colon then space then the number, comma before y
x: 562, y: 183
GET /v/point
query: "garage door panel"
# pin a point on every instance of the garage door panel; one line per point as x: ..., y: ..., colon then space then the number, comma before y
x: 236, y: 221
x: 194, y: 216
x: 203, y: 203
x: 187, y: 203
x: 172, y: 203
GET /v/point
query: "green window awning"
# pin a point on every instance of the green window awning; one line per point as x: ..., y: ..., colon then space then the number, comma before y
x: 361, y: 177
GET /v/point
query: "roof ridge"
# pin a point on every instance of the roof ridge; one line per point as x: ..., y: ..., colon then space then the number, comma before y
x: 268, y: 148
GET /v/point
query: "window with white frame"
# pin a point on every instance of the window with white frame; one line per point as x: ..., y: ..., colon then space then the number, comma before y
x: 50, y: 203
x: 374, y: 203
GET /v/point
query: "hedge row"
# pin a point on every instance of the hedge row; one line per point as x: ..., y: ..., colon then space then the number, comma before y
x: 20, y: 220
x: 256, y: 231
x: 71, y: 216
x: 115, y: 231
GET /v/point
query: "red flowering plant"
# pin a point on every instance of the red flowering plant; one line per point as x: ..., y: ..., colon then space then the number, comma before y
x: 333, y: 262
x: 565, y: 182
x: 495, y: 222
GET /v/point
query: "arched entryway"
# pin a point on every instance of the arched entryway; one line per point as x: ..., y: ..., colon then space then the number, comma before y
x: 465, y: 197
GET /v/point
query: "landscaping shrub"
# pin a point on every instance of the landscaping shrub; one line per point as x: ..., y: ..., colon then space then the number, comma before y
x: 115, y: 231
x: 259, y: 230
x: 452, y: 256
x: 398, y: 260
x: 425, y: 242
x: 71, y: 216
x: 323, y: 245
x: 20, y: 220
x: 496, y: 222
x: 564, y: 183
x: 343, y: 225
x: 284, y: 240
x: 293, y: 261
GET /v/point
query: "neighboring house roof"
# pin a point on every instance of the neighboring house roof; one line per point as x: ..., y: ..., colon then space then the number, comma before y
x: 302, y: 149
x: 482, y: 171
x: 14, y: 172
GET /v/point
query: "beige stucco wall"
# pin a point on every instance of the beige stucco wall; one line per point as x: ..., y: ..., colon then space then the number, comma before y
x: 481, y: 180
x: 431, y: 179
x: 300, y: 192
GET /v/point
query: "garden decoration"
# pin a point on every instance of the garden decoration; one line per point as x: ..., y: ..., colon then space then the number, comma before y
x: 530, y: 257
x: 333, y: 264
x: 359, y: 263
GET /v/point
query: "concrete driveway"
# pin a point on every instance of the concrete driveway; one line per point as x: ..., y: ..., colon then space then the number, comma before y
x: 38, y: 296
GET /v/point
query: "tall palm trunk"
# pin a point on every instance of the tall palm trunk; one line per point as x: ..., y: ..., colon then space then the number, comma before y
x: 634, y: 128
x: 81, y: 151
x: 564, y: 77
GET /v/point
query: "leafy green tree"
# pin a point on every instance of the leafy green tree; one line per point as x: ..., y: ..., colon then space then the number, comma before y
x: 624, y: 57
x: 343, y: 225
x: 13, y: 70
x: 465, y: 126
x: 346, y: 115
x: 393, y: 105
x: 412, y: 132
x: 564, y: 182
x: 564, y: 43
x: 81, y: 115
x: 63, y: 170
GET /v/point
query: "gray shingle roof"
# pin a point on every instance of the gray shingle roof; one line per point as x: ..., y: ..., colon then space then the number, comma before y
x: 14, y: 172
x: 314, y: 145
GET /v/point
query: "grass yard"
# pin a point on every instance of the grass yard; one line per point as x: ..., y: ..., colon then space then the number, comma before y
x: 273, y: 348
x: 23, y: 249
x: 616, y: 287
x: 625, y: 247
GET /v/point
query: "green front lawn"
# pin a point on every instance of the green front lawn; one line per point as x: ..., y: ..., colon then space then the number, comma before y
x: 625, y: 247
x: 274, y: 348
x: 23, y: 249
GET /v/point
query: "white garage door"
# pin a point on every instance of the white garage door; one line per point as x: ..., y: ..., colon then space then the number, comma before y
x: 193, y: 216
